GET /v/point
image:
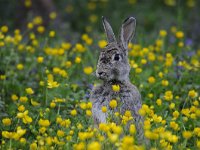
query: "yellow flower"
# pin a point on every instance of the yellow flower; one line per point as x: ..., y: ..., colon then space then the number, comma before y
x: 104, y: 109
x: 58, y: 120
x: 30, y: 25
x: 198, y: 143
x: 93, y: 18
x: 179, y: 34
x: 89, y: 41
x: 175, y: 114
x: 27, y: 3
x: 83, y: 105
x: 168, y: 95
x: 2, y: 77
x: 60, y: 133
x: 53, y: 15
x: 173, y: 29
x: 116, y: 88
x: 79, y: 126
x: 143, y: 61
x: 165, y: 82
x: 52, y: 105
x: 23, y: 99
x: 186, y: 112
x: 77, y: 60
x: 89, y: 105
x: 128, y: 113
x: 41, y: 29
x: 34, y: 103
x: 66, y: 45
x: 33, y: 146
x: 163, y: 33
x: 159, y: 102
x: 132, y: 129
x: 151, y: 135
x: 187, y: 134
x: 4, y: 29
x: 27, y: 119
x: 138, y: 70
x: 42, y: 130
x: 150, y: 95
x: 6, y: 121
x: 38, y: 20
x: 94, y: 146
x: 68, y: 64
x: 40, y: 59
x: 127, y: 142
x: 41, y: 83
x: 21, y: 108
x: 192, y: 93
x: 142, y: 112
x: 2, y: 44
x: 80, y: 48
x: 196, y: 103
x: 79, y: 146
x: 20, y: 66
x: 160, y: 74
x: 24, y: 116
x: 102, y: 43
x: 29, y: 91
x: 151, y: 80
x: 157, y: 118
x: 88, y: 70
x: 113, y: 137
x: 84, y: 37
x: 22, y: 140
x: 14, y: 97
x: 159, y: 43
x: 7, y: 134
x: 52, y: 34
x: 180, y: 44
x: 52, y: 84
x: 174, y: 126
x: 49, y: 141
x: 44, y: 122
x: 88, y: 113
x: 113, y: 103
x: 172, y: 106
x: 73, y: 112
x: 151, y: 56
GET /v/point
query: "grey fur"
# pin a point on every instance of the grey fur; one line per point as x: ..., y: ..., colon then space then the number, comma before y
x: 108, y: 29
x: 112, y: 71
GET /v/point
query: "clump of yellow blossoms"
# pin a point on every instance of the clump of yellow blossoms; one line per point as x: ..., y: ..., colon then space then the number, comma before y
x: 116, y: 88
x: 113, y: 103
x: 88, y: 70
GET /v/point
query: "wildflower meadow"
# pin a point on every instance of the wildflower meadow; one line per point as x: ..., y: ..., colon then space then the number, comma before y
x: 47, y: 71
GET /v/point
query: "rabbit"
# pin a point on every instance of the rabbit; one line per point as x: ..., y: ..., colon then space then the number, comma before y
x: 113, y: 68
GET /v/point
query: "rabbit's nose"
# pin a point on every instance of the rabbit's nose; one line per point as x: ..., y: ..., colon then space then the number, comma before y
x: 101, y: 73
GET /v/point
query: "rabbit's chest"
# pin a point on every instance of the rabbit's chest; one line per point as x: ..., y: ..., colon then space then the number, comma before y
x: 107, y: 96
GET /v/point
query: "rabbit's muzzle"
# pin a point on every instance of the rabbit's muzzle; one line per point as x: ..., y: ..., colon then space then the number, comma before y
x: 101, y: 74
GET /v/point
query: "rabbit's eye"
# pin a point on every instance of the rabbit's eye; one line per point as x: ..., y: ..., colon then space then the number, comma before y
x: 117, y: 57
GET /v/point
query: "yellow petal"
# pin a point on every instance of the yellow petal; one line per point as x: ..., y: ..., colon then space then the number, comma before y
x: 34, y: 103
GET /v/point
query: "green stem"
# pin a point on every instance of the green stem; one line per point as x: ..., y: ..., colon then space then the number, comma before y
x: 58, y: 109
x: 10, y: 146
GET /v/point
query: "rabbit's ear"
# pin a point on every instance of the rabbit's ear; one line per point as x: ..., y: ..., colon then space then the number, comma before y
x: 127, y: 31
x: 108, y: 29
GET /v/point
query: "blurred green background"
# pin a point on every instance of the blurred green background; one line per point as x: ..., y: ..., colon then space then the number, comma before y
x: 78, y: 16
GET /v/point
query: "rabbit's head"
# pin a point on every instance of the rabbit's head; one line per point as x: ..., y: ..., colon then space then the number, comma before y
x: 113, y: 62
